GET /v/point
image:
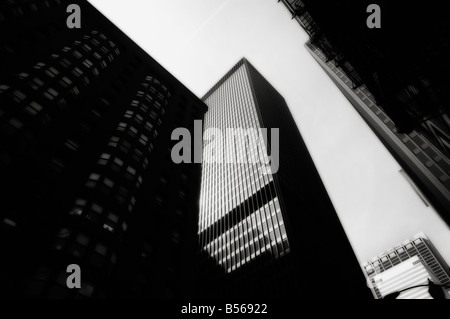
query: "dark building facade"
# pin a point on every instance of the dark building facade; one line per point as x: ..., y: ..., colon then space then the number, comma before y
x: 86, y: 118
x: 271, y: 233
x: 395, y: 76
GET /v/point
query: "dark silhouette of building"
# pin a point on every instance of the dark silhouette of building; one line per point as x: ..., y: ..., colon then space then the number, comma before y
x: 86, y: 118
x: 273, y: 235
x: 395, y: 76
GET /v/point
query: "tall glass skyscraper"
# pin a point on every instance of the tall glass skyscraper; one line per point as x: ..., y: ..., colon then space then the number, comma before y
x: 270, y: 229
x: 240, y: 213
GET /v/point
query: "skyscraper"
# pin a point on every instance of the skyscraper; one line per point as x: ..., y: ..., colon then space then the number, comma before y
x: 86, y: 173
x: 396, y: 77
x: 419, y: 247
x: 273, y: 230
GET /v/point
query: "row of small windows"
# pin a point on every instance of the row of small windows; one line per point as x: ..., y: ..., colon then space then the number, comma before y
x: 32, y: 102
x: 96, y: 213
x: 273, y: 233
x: 414, y: 143
x: 233, y: 193
x: 261, y: 224
x: 96, y: 178
x: 118, y: 163
x: 15, y: 8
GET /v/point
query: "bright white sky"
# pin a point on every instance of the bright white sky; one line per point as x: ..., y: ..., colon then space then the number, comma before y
x: 198, y: 41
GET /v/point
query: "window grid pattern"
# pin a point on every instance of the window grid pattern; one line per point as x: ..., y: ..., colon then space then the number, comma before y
x: 68, y: 71
x: 18, y: 8
x: 422, y: 148
x: 121, y: 167
x: 229, y: 186
x: 118, y: 174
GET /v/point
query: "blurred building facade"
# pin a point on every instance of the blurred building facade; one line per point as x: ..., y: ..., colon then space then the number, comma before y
x: 394, y: 76
x: 86, y: 118
x: 419, y: 247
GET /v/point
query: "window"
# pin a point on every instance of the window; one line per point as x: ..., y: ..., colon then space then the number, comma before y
x: 87, y: 48
x: 92, y: 180
x: 108, y: 183
x: 104, y: 159
x: 39, y: 65
x: 143, y: 139
x: 52, y: 72
x: 33, y: 108
x: 118, y: 161
x: 131, y: 170
x: 65, y: 63
x: 75, y: 90
x: 87, y: 63
x: 122, y: 126
x: 65, y: 81
x: 19, y: 96
x: 133, y: 130
x: 77, y: 54
x: 3, y: 88
x: 139, y: 118
x: 114, y: 141
x: 23, y: 75
x: 72, y: 145
x: 51, y: 94
x: 148, y: 126
x: 77, y: 72
x: 10, y: 222
x: 139, y: 181
x: 129, y: 114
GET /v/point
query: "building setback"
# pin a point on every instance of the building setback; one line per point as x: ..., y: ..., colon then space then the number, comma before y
x: 86, y: 118
x: 395, y: 77
x: 273, y: 235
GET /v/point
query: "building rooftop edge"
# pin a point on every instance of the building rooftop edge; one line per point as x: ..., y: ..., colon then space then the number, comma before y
x: 241, y: 62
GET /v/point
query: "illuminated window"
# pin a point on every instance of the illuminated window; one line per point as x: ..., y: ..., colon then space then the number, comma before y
x: 34, y: 108
x: 118, y: 161
x: 51, y: 93
x: 77, y: 54
x: 104, y: 159
x: 52, y: 72
x: 65, y: 81
x: 108, y: 183
x: 19, y: 96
